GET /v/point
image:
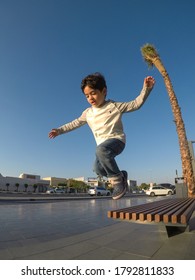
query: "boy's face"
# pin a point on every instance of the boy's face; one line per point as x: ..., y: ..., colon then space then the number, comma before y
x: 95, y: 97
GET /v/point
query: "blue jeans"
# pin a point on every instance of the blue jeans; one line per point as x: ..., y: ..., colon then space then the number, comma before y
x: 105, y: 164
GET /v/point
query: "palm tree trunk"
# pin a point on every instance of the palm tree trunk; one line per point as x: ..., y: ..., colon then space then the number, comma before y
x: 180, y: 127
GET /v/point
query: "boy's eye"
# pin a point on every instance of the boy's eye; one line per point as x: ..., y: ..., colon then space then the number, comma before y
x: 91, y: 94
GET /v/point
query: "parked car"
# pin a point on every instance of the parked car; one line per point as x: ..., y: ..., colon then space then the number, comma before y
x: 50, y: 191
x: 99, y: 191
x: 58, y: 191
x: 55, y: 191
x: 159, y: 190
x: 168, y: 186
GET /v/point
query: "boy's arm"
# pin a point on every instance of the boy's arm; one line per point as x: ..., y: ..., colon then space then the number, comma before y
x: 68, y: 126
x: 147, y: 88
x: 140, y: 99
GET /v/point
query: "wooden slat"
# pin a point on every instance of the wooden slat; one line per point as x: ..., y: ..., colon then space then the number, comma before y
x: 160, y: 215
x: 170, y: 212
x: 150, y: 215
x: 156, y: 215
x: 116, y: 213
x: 188, y: 212
x: 177, y: 210
x: 183, y: 210
x: 142, y: 214
x: 134, y: 211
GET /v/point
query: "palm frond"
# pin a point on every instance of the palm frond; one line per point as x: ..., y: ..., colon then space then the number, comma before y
x: 149, y: 53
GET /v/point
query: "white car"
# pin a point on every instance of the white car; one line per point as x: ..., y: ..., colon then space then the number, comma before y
x: 58, y: 191
x: 99, y: 191
x: 55, y: 191
x: 50, y: 191
x: 159, y: 190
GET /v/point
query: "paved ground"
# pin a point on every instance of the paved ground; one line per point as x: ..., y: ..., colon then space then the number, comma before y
x: 79, y: 229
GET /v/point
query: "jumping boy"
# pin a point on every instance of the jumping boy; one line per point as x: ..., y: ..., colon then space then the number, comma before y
x: 104, y: 119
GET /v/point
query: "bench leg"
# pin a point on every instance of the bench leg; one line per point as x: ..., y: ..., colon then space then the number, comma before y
x: 171, y: 230
x: 174, y: 230
x: 191, y: 224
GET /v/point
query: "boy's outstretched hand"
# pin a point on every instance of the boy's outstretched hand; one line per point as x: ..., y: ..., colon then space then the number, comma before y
x: 53, y: 133
x: 149, y: 82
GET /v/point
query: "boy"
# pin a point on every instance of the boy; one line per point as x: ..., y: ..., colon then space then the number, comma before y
x: 104, y: 118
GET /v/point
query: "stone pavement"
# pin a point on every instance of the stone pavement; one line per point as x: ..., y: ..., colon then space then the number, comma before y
x: 78, y: 229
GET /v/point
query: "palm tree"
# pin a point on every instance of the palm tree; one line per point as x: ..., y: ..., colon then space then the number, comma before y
x: 26, y: 187
x: 35, y: 187
x: 152, y: 57
x: 17, y: 186
x: 7, y: 185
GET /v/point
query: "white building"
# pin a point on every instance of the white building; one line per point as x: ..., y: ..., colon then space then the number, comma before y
x: 25, y: 182
x: 56, y: 181
x: 96, y: 182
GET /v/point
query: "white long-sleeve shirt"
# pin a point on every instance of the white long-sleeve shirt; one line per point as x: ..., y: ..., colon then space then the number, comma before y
x: 105, y: 121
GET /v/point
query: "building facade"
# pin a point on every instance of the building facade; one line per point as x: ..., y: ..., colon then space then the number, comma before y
x: 24, y: 183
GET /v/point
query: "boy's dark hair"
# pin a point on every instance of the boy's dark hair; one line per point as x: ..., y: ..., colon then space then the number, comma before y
x: 94, y: 81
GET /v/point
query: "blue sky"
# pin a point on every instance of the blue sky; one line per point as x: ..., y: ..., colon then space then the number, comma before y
x: 48, y: 46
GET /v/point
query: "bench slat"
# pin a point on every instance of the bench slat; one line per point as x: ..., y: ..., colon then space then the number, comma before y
x: 160, y: 215
x: 149, y: 215
x: 154, y: 216
x: 176, y: 210
x: 133, y: 212
x: 176, y: 217
x: 116, y: 213
x: 180, y: 208
x: 188, y: 212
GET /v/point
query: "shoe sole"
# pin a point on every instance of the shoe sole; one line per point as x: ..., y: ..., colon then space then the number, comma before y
x: 120, y: 195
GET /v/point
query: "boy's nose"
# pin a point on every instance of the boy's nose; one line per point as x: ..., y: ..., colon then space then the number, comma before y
x: 91, y: 98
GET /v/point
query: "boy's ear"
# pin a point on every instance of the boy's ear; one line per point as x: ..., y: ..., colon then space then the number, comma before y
x: 104, y: 91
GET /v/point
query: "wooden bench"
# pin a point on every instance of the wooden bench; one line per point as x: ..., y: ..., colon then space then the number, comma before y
x: 174, y: 213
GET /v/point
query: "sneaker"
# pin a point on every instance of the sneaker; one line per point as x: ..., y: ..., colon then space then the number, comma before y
x: 120, y: 189
x: 125, y: 176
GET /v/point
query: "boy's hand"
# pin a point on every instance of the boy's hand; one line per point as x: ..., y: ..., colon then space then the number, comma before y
x: 53, y: 133
x: 149, y: 82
